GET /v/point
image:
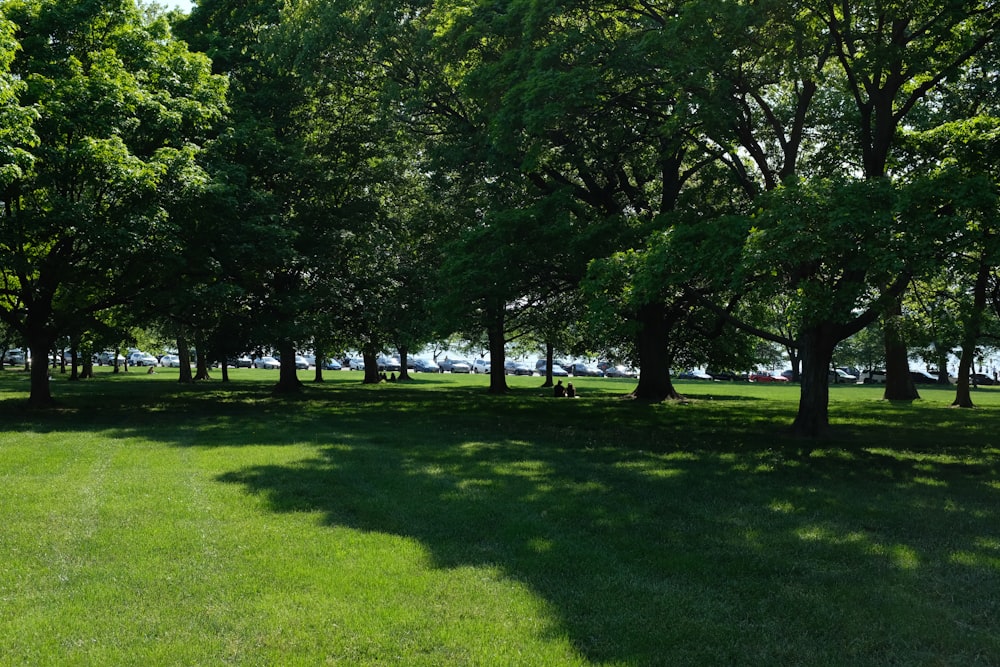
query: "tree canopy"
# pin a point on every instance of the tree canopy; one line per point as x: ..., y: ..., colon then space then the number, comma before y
x: 667, y: 181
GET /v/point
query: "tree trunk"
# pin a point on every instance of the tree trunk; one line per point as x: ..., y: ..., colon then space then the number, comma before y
x: 813, y: 418
x: 498, y: 340
x: 318, y: 375
x: 404, y: 372
x: 184, y: 357
x: 899, y: 385
x: 288, y: 377
x: 942, y: 365
x: 88, y: 365
x: 794, y: 358
x: 201, y: 360
x: 549, y: 353
x: 74, y: 360
x: 371, y: 367
x: 963, y: 396
x: 224, y: 367
x: 654, y: 357
x: 40, y: 394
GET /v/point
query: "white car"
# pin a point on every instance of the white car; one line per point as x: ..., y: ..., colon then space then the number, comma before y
x: 170, y: 361
x: 141, y: 359
x: 269, y: 363
x: 840, y: 376
x: 481, y: 366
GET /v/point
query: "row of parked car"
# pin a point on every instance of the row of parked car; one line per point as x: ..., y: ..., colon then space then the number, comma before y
x: 511, y: 367
x: 834, y: 376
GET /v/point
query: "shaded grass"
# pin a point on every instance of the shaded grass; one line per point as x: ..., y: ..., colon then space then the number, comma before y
x: 429, y: 523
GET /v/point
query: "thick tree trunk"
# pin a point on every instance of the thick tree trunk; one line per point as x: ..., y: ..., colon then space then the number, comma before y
x: 201, y: 361
x: 87, y: 364
x: 288, y: 377
x: 498, y: 340
x: 813, y: 417
x: 404, y: 357
x: 899, y: 385
x: 184, y: 357
x: 654, y: 356
x: 40, y: 394
x: 224, y: 367
x: 371, y: 367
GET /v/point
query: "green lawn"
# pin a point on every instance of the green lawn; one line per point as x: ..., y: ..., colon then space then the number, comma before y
x: 146, y: 523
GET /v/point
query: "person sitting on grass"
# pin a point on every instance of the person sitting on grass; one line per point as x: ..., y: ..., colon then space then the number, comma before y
x: 570, y: 391
x: 559, y: 390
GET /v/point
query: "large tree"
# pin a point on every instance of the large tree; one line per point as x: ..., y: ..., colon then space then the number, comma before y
x: 890, y: 57
x: 123, y: 107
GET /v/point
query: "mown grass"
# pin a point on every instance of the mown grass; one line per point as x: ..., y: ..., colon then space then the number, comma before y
x: 148, y: 523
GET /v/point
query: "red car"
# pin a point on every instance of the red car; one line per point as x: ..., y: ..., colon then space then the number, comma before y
x: 767, y: 377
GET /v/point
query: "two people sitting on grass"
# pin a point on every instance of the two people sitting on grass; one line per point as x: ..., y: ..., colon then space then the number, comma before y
x: 559, y: 391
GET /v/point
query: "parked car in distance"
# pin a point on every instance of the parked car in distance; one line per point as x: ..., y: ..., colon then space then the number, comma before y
x: 840, y: 376
x: 511, y: 367
x: 727, y: 376
x: 170, y: 361
x: 580, y: 369
x: 982, y: 378
x: 301, y: 363
x: 388, y: 364
x: 332, y: 365
x: 14, y: 356
x: 421, y: 365
x: 556, y: 363
x: 872, y: 376
x: 619, y: 371
x: 454, y: 366
x: 269, y: 363
x: 141, y: 359
x: 557, y: 370
x: 922, y: 377
x: 694, y: 374
x: 356, y: 364
x: 481, y: 366
x: 767, y: 377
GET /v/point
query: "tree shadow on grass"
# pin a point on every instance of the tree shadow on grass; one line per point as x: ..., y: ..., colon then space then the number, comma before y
x: 674, y: 534
x: 681, y: 557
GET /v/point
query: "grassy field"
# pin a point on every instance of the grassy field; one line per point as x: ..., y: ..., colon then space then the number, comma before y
x: 148, y: 523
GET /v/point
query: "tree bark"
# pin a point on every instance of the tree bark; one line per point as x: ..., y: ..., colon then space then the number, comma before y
x: 549, y: 353
x: 899, y: 386
x: 404, y: 371
x: 74, y: 361
x: 318, y: 375
x: 184, y: 357
x: 812, y: 419
x: 371, y: 367
x: 201, y: 361
x: 498, y: 340
x: 88, y: 365
x: 963, y: 394
x: 652, y: 344
x: 288, y: 377
x: 40, y: 394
